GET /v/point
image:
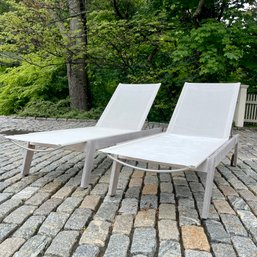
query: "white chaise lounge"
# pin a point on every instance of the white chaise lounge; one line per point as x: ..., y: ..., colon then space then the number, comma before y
x: 122, y: 119
x: 198, y: 136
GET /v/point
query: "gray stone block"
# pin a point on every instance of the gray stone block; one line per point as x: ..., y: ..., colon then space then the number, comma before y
x: 69, y: 204
x: 47, y: 207
x: 78, y: 219
x: 148, y: 202
x: 233, y: 225
x: 118, y: 246
x: 96, y: 233
x: 169, y: 249
x: 35, y: 246
x: 63, y: 243
x: 53, y: 224
x: 244, y: 246
x: 106, y: 211
x: 223, y: 250
x: 216, y: 232
x: 8, y: 206
x: 129, y: 206
x: 6, y: 230
x: 20, y: 215
x: 30, y: 227
x: 87, y: 251
x: 144, y: 242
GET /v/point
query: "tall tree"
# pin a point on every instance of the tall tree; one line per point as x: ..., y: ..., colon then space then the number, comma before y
x: 51, y: 28
x: 77, y: 69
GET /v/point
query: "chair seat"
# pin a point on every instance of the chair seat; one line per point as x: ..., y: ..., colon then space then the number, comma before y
x: 69, y: 136
x: 167, y: 148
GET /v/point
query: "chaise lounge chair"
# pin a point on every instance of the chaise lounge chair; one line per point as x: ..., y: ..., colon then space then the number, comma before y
x: 197, y: 138
x: 122, y: 119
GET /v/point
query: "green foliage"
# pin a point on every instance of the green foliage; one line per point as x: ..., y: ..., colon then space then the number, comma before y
x: 163, y: 42
x: 60, y: 109
x: 26, y: 83
x: 4, y: 6
x: 132, y: 41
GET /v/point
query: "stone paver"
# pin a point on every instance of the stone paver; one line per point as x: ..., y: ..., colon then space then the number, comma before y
x: 91, y: 202
x: 107, y: 211
x: 144, y: 241
x: 63, y: 243
x: 47, y: 214
x: 78, y: 219
x: 6, y: 230
x: 194, y: 238
x: 129, y: 206
x: 8, y: 206
x: 26, y: 193
x: 87, y: 250
x: 29, y: 228
x: 167, y: 211
x: 123, y: 224
x: 96, y: 233
x: 216, y: 232
x: 10, y: 246
x: 223, y: 250
x: 69, y: 204
x: 118, y: 246
x: 145, y: 218
x: 169, y: 249
x: 34, y: 246
x: 53, y: 224
x: 20, y: 215
x: 168, y: 230
x: 47, y: 207
x: 244, y: 246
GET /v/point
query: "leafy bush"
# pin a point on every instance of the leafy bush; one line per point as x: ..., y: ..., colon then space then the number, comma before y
x: 31, y: 83
x: 59, y: 109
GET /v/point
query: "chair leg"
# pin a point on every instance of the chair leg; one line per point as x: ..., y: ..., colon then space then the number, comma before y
x: 88, y: 164
x: 114, y: 178
x: 27, y: 160
x: 208, y: 190
x: 234, y: 156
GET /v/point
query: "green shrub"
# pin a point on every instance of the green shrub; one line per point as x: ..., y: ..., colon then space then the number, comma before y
x: 30, y: 83
x: 59, y: 109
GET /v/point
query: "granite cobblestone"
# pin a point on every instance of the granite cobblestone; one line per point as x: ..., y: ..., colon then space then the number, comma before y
x: 47, y: 214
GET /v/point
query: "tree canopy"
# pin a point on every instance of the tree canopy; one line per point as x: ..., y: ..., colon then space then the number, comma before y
x: 104, y: 42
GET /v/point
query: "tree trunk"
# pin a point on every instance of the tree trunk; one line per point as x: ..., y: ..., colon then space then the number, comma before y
x: 76, y: 64
x: 77, y: 80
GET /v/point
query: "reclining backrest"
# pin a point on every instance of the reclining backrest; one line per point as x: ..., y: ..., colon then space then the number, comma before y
x: 129, y: 106
x: 205, y: 109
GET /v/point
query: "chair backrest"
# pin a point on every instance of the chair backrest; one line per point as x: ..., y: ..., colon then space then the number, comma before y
x: 129, y: 106
x: 205, y: 109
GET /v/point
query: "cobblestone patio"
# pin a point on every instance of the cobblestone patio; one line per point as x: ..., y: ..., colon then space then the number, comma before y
x: 48, y: 214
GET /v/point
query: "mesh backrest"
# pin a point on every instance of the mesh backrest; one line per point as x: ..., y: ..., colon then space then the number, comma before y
x: 129, y: 106
x: 205, y: 109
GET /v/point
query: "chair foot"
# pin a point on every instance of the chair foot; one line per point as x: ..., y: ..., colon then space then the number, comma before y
x: 88, y: 164
x: 114, y: 178
x: 232, y: 161
x: 27, y: 160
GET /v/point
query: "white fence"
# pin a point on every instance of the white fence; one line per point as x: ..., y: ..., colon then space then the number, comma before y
x: 251, y: 108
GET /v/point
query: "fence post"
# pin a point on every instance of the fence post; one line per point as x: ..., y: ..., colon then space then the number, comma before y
x: 240, y: 109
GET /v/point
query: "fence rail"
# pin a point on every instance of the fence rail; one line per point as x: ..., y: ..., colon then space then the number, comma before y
x: 251, y: 108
